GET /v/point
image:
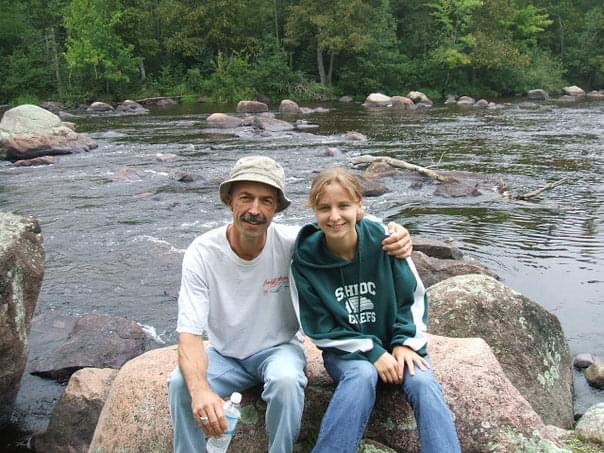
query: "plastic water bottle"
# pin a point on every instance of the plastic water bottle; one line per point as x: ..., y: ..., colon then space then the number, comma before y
x: 232, y: 414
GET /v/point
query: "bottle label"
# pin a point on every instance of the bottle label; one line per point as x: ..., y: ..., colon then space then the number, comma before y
x: 232, y: 421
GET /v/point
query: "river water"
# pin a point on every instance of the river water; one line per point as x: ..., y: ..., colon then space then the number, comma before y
x: 114, y: 246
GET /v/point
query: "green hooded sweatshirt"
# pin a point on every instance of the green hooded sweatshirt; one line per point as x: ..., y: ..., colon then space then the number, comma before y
x: 362, y: 308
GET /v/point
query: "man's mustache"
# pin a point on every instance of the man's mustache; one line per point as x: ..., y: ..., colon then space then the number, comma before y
x: 255, y: 219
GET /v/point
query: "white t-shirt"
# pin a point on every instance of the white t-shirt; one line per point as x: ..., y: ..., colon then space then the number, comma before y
x: 243, y: 306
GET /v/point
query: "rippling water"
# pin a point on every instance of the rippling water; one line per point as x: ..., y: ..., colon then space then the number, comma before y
x: 115, y: 246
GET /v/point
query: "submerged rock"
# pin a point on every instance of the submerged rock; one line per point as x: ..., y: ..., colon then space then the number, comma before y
x: 131, y: 107
x: 583, y: 360
x: 434, y: 270
x: 42, y: 160
x: 595, y: 375
x: 97, y: 341
x: 591, y: 425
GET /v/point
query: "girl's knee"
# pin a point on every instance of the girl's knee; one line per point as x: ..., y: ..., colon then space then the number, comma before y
x: 422, y: 380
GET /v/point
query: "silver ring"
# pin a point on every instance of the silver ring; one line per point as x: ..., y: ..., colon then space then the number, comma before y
x: 204, y: 419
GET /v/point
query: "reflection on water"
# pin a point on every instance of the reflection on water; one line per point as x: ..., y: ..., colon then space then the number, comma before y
x: 115, y: 246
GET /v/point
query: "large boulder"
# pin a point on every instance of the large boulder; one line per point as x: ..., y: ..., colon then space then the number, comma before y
x: 251, y: 107
x: 573, y: 90
x: 223, y: 121
x: 527, y: 340
x: 419, y: 98
x: 21, y: 272
x: 65, y: 344
x: 131, y: 107
x: 538, y: 95
x: 99, y: 107
x: 437, y: 249
x: 289, y: 107
x: 76, y: 414
x: 29, y: 131
x: 402, y: 103
x: 488, y: 410
x: 377, y: 100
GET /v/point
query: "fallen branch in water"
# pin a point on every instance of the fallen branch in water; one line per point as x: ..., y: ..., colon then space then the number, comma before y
x: 403, y: 164
x: 535, y: 193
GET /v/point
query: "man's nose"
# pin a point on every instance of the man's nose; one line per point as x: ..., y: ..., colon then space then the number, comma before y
x: 255, y: 206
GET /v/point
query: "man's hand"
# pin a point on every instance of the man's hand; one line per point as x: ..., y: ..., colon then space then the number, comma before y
x: 407, y: 357
x: 398, y: 244
x: 206, y: 405
x: 207, y: 411
x: 387, y: 368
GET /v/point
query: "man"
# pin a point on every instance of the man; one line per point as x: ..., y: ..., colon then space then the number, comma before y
x: 235, y: 289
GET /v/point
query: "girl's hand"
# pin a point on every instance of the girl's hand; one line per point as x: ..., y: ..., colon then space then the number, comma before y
x: 407, y: 357
x: 388, y: 369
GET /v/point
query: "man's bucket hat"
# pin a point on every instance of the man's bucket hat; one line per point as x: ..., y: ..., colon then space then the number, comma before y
x: 257, y: 169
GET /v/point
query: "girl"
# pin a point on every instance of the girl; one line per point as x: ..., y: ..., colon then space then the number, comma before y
x: 368, y: 313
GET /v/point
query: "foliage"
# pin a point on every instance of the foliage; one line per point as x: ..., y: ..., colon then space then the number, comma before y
x: 580, y: 446
x: 95, y: 51
x: 231, y: 80
x: 82, y: 50
x: 26, y: 99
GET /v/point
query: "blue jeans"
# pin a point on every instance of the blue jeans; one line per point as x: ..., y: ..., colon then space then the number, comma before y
x: 280, y: 369
x: 351, y: 405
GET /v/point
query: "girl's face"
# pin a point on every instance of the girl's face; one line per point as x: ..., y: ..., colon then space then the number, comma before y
x: 337, y: 212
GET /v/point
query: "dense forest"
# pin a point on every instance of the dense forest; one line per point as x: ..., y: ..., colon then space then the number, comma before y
x: 227, y: 50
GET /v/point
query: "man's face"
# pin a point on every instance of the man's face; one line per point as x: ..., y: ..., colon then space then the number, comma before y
x: 253, y: 204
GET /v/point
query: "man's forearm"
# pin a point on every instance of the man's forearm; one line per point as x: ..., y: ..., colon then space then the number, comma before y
x: 193, y: 362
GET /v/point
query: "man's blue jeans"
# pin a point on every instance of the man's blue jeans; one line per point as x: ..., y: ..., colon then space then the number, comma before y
x: 351, y: 405
x: 280, y: 369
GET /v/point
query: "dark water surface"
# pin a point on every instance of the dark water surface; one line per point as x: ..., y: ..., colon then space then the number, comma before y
x: 115, y: 247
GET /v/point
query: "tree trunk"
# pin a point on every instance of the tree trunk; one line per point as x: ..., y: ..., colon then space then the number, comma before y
x: 141, y: 67
x: 332, y: 56
x: 276, y: 21
x: 320, y: 65
x: 56, y: 64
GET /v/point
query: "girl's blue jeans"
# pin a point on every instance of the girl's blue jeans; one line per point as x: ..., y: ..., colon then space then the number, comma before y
x: 351, y: 405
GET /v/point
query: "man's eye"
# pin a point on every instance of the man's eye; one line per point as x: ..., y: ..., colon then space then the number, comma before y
x: 268, y: 201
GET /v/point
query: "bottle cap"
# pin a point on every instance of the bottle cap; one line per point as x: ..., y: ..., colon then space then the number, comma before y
x: 236, y: 398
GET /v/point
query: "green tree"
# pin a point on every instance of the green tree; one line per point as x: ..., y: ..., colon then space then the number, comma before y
x: 31, y: 48
x: 330, y: 28
x: 381, y: 67
x: 95, y: 51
